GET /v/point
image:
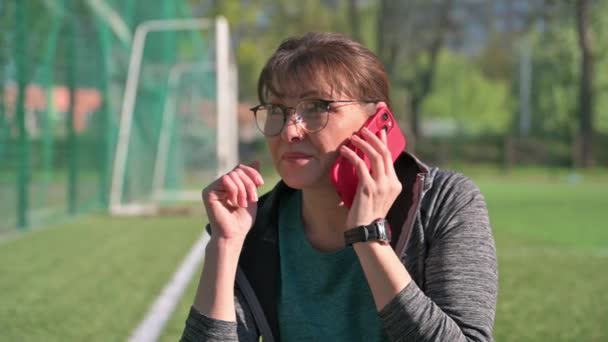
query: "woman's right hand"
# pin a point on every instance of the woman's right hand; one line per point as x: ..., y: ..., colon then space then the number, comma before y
x: 231, y: 202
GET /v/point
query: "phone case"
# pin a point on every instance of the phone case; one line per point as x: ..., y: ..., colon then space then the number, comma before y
x: 343, y: 174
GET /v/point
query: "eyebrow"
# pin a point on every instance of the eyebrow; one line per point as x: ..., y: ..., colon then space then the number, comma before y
x: 311, y: 93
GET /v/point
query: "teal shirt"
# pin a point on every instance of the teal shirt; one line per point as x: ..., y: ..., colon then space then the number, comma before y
x: 324, y: 296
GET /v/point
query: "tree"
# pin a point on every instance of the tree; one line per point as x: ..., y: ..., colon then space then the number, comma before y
x: 397, y: 23
x: 599, y: 23
x: 353, y: 14
x: 464, y: 96
x: 557, y: 73
x: 586, y: 93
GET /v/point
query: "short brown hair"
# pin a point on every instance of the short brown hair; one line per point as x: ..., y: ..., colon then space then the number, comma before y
x: 346, y: 66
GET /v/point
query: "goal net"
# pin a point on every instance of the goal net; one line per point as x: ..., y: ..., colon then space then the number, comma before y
x: 178, y: 122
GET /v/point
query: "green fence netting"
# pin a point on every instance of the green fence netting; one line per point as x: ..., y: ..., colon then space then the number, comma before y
x: 63, y: 67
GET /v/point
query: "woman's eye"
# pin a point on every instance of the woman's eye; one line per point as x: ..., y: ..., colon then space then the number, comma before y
x: 316, y: 107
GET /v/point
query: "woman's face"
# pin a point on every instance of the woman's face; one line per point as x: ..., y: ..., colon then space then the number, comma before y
x: 304, y: 159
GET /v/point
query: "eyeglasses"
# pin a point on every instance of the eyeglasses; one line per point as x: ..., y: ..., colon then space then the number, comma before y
x: 311, y: 115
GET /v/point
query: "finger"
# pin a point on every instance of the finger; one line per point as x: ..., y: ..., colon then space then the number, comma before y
x: 377, y: 163
x: 241, y: 195
x: 358, y: 163
x: 250, y: 187
x: 217, y: 195
x: 389, y: 165
x: 379, y: 143
x: 253, y: 173
x: 230, y: 190
x: 382, y: 136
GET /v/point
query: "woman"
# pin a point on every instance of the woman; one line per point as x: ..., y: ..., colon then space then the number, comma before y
x: 279, y: 267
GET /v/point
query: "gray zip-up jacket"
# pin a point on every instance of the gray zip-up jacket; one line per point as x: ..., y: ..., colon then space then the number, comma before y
x: 442, y: 234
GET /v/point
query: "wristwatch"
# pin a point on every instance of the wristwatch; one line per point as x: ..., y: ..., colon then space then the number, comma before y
x: 379, y: 230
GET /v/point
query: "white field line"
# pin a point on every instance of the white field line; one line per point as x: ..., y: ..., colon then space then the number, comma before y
x: 153, y: 324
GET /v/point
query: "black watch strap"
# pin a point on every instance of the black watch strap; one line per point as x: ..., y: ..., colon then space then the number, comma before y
x: 378, y: 230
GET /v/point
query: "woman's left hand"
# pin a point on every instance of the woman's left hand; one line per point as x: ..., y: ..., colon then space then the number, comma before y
x: 378, y: 189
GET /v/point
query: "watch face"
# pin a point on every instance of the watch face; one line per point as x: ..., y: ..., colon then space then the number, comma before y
x: 384, y: 229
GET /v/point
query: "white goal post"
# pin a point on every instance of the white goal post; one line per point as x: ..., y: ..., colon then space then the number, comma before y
x: 225, y: 69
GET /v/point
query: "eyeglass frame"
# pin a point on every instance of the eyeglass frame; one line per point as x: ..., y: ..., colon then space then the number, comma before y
x: 284, y: 109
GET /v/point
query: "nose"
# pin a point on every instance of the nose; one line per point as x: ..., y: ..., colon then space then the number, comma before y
x: 293, y: 130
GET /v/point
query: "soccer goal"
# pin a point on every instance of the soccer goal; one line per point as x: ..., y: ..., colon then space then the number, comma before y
x: 178, y: 122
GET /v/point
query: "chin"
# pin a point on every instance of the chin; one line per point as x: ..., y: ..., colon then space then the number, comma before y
x: 302, y: 180
x: 301, y: 175
x: 297, y: 181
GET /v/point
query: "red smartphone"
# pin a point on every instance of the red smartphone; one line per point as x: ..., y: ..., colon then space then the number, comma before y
x: 343, y: 174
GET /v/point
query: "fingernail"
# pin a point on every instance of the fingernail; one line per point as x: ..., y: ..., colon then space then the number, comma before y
x: 255, y: 197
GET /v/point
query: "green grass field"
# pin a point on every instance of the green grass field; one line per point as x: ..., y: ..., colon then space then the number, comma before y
x: 94, y: 278
x: 552, y: 243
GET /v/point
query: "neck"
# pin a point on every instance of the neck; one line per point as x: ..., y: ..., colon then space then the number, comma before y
x: 324, y: 218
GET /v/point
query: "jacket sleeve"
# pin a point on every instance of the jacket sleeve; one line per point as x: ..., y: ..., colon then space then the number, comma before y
x: 460, y: 272
x: 202, y: 328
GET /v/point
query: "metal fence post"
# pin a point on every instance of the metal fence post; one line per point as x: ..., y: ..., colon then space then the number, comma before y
x: 72, y: 143
x: 20, y: 56
x: 106, y: 136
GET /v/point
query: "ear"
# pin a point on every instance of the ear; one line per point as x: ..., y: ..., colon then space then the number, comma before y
x: 381, y: 104
x: 376, y: 107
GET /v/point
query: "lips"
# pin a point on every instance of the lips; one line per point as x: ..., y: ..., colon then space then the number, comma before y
x: 295, y: 155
